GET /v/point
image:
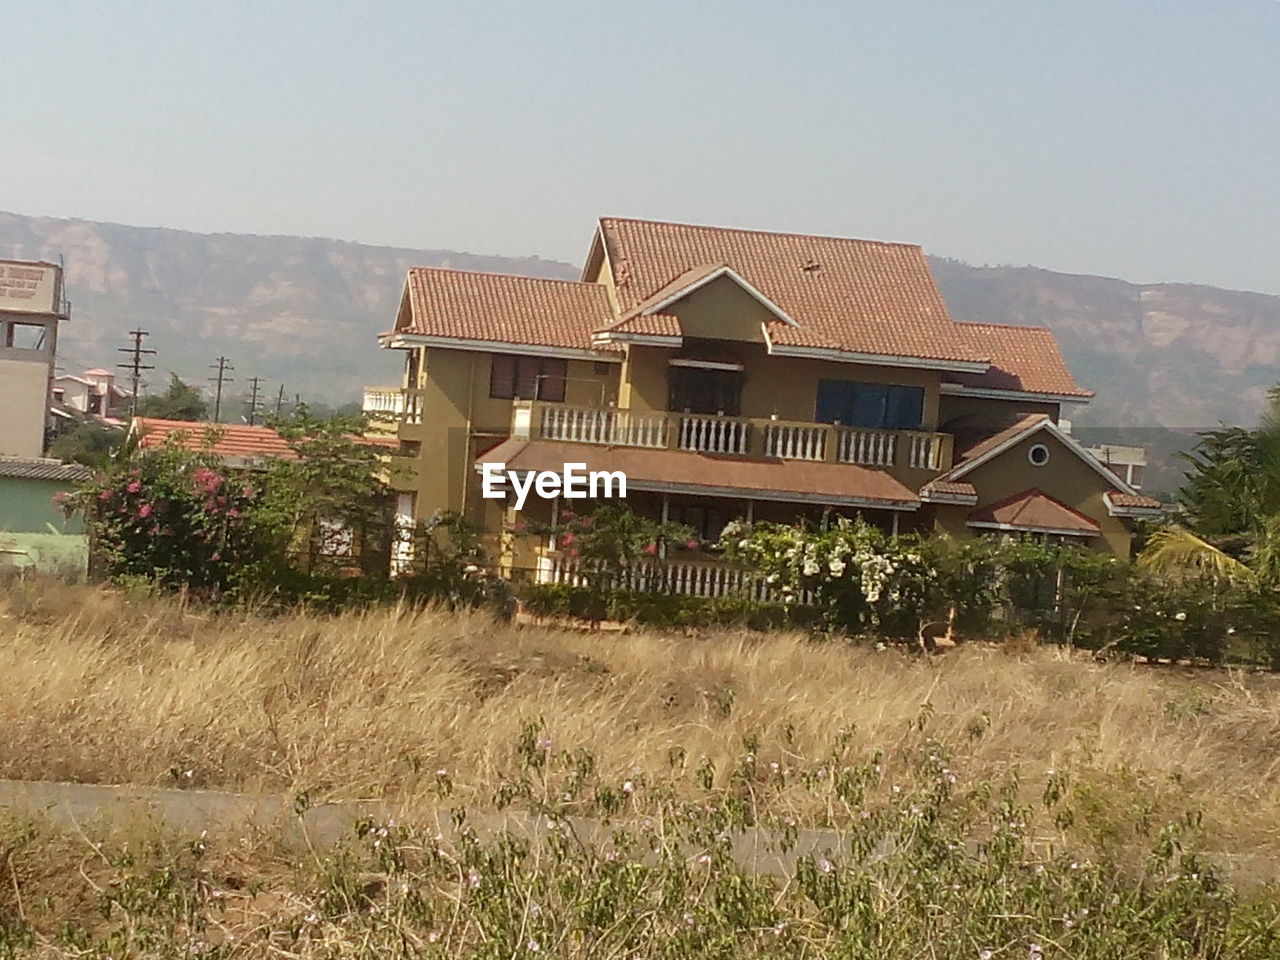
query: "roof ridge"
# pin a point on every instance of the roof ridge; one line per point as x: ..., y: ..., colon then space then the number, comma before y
x: 769, y: 233
x: 1003, y: 326
x: 507, y: 276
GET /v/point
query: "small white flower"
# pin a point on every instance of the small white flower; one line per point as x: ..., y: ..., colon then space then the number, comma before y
x: 1179, y: 615
x: 534, y: 946
x: 824, y: 865
x: 628, y: 787
x: 704, y: 859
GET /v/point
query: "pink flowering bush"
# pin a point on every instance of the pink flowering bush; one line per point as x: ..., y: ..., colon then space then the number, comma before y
x: 173, y: 518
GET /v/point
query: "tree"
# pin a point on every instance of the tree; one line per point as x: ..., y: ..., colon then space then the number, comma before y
x: 180, y: 402
x: 1231, y: 505
x: 89, y: 442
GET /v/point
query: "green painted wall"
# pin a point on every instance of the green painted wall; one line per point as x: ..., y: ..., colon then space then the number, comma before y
x: 26, y: 506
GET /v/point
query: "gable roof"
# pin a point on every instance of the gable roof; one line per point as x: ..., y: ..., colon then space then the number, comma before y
x: 1024, y: 360
x: 863, y: 298
x: 1034, y: 511
x: 497, y: 309
x: 976, y: 454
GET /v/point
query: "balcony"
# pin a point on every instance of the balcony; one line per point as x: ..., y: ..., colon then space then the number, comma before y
x: 896, y: 451
x: 389, y: 406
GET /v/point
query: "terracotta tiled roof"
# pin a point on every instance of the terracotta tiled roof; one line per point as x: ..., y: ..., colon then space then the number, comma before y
x: 828, y: 483
x: 461, y: 304
x: 1025, y: 359
x: 43, y: 469
x: 977, y: 448
x: 856, y: 296
x: 654, y: 324
x: 951, y: 488
x: 1133, y: 500
x: 1036, y: 511
x: 229, y: 440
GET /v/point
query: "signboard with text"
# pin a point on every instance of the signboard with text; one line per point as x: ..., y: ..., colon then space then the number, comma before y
x: 27, y: 287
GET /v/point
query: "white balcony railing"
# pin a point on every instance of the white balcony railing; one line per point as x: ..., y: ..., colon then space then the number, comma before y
x: 867, y: 448
x: 604, y: 426
x: 794, y: 441
x: 711, y: 434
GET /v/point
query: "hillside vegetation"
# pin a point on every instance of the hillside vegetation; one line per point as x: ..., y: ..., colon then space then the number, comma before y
x: 1165, y: 359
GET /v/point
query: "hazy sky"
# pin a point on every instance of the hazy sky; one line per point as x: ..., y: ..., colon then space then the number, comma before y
x: 1131, y: 138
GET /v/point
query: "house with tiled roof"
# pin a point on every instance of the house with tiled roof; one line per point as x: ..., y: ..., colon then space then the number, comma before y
x: 740, y: 374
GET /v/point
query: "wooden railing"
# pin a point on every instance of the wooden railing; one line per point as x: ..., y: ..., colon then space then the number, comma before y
x: 893, y: 450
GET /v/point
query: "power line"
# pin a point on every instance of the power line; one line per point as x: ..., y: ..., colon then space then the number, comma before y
x: 253, y: 399
x: 135, y: 366
x: 224, y: 367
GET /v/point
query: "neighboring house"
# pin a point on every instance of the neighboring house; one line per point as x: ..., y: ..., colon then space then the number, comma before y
x: 243, y: 447
x: 742, y: 374
x: 93, y: 395
x: 34, y: 531
x: 31, y: 304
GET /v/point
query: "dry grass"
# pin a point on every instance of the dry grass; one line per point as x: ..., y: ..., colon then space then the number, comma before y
x: 100, y: 689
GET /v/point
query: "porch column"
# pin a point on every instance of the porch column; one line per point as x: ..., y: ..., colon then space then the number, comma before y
x: 666, y: 514
x: 895, y: 523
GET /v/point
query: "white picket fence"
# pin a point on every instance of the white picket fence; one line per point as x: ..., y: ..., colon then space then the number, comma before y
x: 691, y: 578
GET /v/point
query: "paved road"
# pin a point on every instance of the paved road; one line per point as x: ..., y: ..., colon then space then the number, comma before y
x: 220, y: 813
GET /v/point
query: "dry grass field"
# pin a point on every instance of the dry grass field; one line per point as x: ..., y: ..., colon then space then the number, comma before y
x: 101, y: 689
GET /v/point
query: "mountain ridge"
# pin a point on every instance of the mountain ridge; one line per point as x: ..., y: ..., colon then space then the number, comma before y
x: 1165, y: 359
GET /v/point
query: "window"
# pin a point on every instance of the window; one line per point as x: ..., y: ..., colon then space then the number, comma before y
x: 527, y: 378
x: 1038, y: 455
x: 602, y: 368
x: 695, y: 390
x: 884, y: 405
x: 707, y: 522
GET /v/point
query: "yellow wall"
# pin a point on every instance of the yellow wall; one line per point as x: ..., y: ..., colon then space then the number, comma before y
x: 785, y: 386
x: 460, y: 418
x: 1065, y: 477
x: 24, y: 398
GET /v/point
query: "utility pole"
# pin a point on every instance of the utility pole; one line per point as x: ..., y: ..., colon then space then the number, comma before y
x: 279, y: 399
x: 135, y: 366
x: 223, y: 367
x: 253, y: 400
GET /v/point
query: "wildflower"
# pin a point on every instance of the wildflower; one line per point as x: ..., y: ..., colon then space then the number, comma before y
x: 105, y: 495
x: 133, y: 486
x: 534, y: 910
x: 1179, y: 616
x: 704, y: 859
x: 433, y: 937
x: 442, y: 772
x: 824, y: 865
x: 691, y: 544
x: 1036, y: 950
x: 985, y: 954
x: 473, y: 877
x: 628, y: 788
x: 545, y: 744
x: 774, y: 766
x: 568, y: 540
x: 144, y: 511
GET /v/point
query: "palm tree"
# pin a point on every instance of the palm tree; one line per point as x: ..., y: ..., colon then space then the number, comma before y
x: 1231, y: 505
